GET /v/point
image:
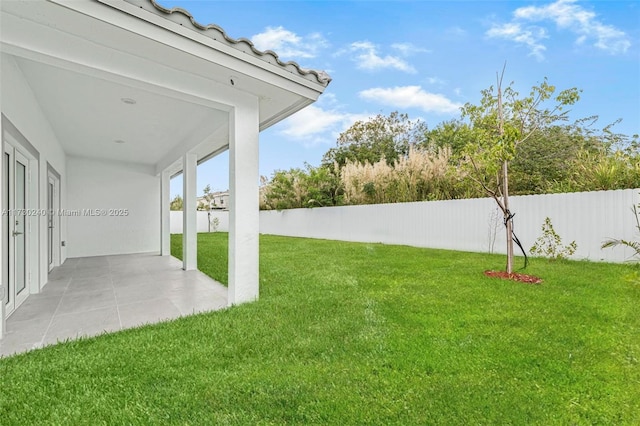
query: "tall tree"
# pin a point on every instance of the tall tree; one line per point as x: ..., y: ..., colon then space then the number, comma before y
x: 544, y: 160
x: 380, y: 137
x: 176, y: 203
x: 502, y: 122
x: 454, y: 134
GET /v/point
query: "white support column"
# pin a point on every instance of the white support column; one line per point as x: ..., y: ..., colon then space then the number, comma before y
x: 189, y: 219
x: 243, y: 203
x: 165, y: 227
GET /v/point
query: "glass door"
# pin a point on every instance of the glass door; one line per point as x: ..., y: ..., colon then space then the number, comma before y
x: 16, y: 172
x: 19, y: 222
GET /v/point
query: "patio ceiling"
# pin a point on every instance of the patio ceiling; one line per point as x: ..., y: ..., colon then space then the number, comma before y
x: 97, y: 118
x: 138, y: 86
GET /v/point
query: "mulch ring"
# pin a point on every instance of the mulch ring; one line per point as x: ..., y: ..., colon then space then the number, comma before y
x: 523, y: 278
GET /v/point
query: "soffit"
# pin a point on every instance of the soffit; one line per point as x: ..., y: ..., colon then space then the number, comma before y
x: 90, y: 118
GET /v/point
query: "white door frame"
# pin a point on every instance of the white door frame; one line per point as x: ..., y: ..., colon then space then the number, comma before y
x: 18, y: 224
x: 53, y: 220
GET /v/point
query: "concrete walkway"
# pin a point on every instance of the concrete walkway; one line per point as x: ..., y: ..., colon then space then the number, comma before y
x: 92, y: 295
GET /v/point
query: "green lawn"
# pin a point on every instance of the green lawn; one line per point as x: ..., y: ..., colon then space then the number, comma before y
x: 350, y: 333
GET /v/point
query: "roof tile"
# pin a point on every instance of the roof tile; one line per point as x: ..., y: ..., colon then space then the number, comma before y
x: 243, y: 44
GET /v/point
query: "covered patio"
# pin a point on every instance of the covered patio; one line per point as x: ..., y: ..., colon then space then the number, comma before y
x: 102, y: 103
x: 89, y: 296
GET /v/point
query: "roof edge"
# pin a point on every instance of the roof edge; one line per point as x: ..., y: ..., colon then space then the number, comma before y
x: 320, y: 76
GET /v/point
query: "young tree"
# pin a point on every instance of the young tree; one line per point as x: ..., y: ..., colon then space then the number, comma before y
x: 206, y: 198
x: 500, y: 123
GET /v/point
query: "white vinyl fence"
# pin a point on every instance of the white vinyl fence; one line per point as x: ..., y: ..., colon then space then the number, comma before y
x: 205, y: 221
x: 475, y: 225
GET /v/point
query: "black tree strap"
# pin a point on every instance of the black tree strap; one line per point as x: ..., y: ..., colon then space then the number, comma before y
x: 509, y: 217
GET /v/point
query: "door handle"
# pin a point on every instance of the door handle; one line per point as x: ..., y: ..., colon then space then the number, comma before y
x: 16, y: 233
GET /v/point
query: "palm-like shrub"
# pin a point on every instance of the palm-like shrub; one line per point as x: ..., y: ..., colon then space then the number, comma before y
x: 634, y: 245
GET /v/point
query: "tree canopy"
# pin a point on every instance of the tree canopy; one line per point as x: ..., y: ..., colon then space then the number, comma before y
x: 369, y: 141
x: 392, y: 158
x: 176, y: 203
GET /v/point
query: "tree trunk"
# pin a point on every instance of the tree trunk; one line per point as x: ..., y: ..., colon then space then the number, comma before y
x: 505, y: 180
x: 507, y: 215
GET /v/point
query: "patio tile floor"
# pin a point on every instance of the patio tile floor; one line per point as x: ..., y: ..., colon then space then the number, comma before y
x: 93, y: 295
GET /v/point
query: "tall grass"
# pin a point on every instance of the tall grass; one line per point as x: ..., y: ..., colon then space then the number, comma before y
x: 421, y: 175
x: 595, y: 171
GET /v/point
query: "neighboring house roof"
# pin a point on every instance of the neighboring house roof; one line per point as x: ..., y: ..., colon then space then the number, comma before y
x: 218, y: 194
x: 215, y: 32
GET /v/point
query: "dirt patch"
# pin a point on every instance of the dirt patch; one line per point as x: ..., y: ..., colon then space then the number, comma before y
x: 523, y: 278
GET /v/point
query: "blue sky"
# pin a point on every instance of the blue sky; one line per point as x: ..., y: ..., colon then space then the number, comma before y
x: 427, y: 58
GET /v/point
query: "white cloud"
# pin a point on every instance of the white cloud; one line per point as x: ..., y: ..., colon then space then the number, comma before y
x: 327, y: 99
x: 408, y: 49
x: 411, y: 96
x: 455, y: 32
x: 567, y: 15
x: 436, y: 81
x: 288, y: 44
x: 315, y: 125
x: 530, y: 37
x: 367, y: 57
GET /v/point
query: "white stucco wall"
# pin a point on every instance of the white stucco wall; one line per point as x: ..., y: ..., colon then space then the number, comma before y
x: 110, y: 187
x: 20, y: 106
